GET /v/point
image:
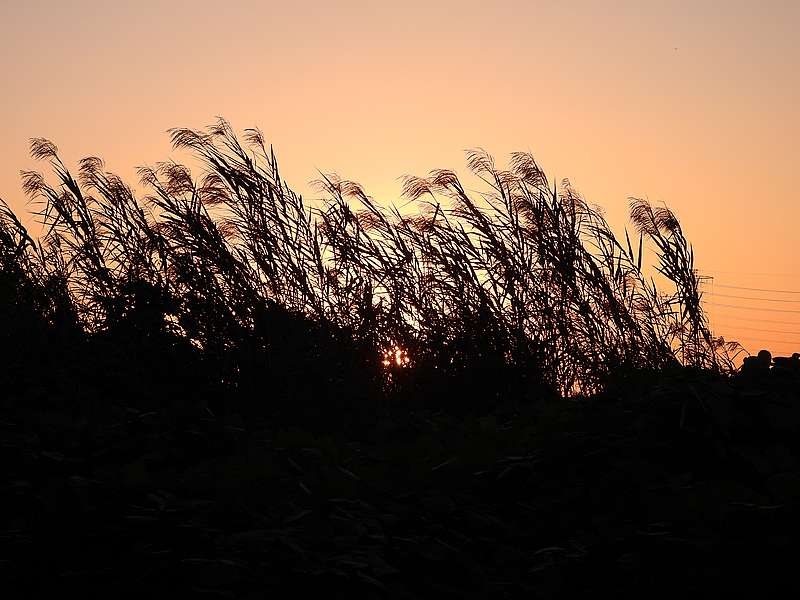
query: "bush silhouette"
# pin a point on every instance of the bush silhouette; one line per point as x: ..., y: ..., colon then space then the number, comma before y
x: 232, y: 285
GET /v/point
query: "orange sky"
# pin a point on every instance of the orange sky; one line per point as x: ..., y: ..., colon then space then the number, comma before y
x: 693, y: 103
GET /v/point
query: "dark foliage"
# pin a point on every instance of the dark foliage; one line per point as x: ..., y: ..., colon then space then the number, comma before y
x: 218, y: 391
x: 230, y: 282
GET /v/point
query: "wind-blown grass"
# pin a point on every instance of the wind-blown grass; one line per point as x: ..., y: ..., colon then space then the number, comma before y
x: 521, y: 287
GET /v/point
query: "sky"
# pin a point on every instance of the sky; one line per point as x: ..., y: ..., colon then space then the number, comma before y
x: 689, y: 103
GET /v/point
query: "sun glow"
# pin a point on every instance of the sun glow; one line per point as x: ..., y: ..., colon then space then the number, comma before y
x: 396, y: 357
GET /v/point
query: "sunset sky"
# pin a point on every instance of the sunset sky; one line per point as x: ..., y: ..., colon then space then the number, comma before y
x: 692, y: 103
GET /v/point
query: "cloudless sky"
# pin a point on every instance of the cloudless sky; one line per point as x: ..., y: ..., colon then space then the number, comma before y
x: 693, y: 103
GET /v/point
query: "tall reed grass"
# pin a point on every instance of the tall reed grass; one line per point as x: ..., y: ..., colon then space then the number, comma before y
x: 520, y: 286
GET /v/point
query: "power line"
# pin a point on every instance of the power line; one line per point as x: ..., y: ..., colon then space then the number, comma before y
x: 756, y: 308
x: 771, y: 341
x: 768, y: 339
x: 759, y: 329
x: 797, y: 323
x: 751, y: 273
x: 753, y: 289
x: 753, y: 298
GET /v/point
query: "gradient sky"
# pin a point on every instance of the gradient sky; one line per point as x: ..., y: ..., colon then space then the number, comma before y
x: 691, y: 103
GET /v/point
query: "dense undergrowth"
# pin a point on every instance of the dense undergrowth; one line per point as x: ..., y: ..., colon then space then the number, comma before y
x: 229, y: 287
x: 194, y: 400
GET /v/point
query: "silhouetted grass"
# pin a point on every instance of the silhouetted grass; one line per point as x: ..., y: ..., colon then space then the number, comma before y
x: 523, y: 283
x: 195, y: 401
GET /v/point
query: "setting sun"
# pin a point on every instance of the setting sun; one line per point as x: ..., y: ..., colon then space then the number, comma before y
x: 402, y: 300
x: 396, y: 357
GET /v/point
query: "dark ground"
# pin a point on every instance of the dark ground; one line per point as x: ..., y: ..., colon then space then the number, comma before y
x: 688, y: 485
x: 196, y: 407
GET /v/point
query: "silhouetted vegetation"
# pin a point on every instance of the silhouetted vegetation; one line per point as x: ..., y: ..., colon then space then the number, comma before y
x: 216, y: 389
x: 525, y: 281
